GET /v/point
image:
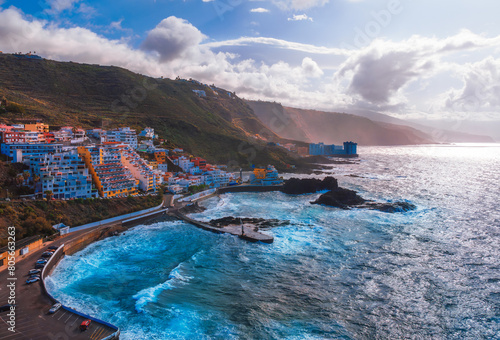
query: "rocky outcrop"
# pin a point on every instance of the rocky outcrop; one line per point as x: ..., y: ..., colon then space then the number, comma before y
x: 390, y: 207
x: 345, y: 199
x: 192, y: 209
x: 258, y: 222
x: 297, y: 186
x: 340, y: 198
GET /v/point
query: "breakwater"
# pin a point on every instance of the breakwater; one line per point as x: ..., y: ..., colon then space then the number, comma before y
x: 245, y: 232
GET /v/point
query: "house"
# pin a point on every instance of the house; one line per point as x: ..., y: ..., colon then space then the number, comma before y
x: 148, y: 133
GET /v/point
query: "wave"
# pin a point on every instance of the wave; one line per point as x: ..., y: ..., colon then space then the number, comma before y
x: 175, y: 279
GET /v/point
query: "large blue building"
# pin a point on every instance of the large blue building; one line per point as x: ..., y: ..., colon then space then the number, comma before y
x: 21, y: 152
x: 321, y: 149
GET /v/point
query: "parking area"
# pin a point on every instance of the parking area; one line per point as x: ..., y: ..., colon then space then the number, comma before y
x: 32, y: 320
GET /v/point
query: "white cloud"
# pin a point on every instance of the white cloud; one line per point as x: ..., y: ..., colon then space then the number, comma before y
x: 57, y: 6
x: 311, y: 68
x: 481, y: 90
x: 172, y: 37
x: 300, y: 17
x: 279, y: 43
x: 299, y: 4
x: 116, y: 25
x: 259, y: 10
x: 378, y: 73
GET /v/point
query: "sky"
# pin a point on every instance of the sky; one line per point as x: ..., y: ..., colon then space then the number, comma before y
x: 428, y: 60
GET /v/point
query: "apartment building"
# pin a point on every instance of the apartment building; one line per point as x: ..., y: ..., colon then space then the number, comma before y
x: 105, y: 164
x: 64, y: 174
x: 124, y: 135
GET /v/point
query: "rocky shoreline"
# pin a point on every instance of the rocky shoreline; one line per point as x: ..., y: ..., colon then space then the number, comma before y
x: 339, y: 197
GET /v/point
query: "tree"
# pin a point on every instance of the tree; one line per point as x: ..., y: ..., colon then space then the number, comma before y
x: 19, y: 180
x: 48, y: 194
x: 26, y: 176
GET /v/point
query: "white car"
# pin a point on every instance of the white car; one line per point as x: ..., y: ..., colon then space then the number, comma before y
x: 55, y: 308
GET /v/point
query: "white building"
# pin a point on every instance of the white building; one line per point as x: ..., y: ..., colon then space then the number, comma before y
x: 124, y: 135
x: 148, y: 179
x: 148, y: 133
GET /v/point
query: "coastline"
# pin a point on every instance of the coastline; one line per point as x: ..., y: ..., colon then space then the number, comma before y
x: 101, y: 230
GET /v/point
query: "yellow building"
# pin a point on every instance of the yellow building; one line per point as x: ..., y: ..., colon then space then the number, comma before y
x: 39, y: 127
x: 105, y: 164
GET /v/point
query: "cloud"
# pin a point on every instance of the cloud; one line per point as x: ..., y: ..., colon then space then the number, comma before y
x: 57, y: 6
x: 481, y: 90
x: 172, y: 37
x: 279, y: 43
x: 300, y: 17
x: 379, y: 72
x: 259, y: 10
x: 311, y: 68
x: 299, y: 4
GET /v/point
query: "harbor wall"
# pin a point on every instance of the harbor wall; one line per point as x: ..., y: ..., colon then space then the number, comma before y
x: 249, y: 188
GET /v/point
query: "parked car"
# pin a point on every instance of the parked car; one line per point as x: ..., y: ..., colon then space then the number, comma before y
x: 47, y: 254
x: 53, y: 247
x: 41, y: 261
x: 55, y: 308
x: 6, y: 308
x: 34, y: 271
x: 39, y: 265
x: 85, y: 325
x: 32, y: 280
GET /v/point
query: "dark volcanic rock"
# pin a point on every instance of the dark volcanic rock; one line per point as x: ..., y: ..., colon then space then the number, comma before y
x: 297, y: 186
x: 193, y: 208
x: 258, y: 222
x: 345, y: 199
x: 340, y: 198
x: 390, y: 207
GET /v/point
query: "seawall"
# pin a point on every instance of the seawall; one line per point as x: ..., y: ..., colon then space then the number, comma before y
x: 249, y: 188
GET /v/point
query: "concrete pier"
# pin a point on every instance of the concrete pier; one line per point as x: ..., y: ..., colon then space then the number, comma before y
x: 245, y: 232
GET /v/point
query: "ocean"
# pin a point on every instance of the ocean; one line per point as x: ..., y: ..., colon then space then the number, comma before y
x: 430, y: 273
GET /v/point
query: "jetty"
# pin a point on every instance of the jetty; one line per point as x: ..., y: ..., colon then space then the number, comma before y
x: 246, y: 232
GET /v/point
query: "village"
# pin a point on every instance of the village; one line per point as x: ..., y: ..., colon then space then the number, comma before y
x: 72, y: 163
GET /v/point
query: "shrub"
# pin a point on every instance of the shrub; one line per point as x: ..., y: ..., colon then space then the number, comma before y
x: 15, y: 108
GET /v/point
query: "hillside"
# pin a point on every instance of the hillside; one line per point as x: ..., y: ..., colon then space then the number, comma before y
x: 333, y: 128
x: 219, y: 126
x: 441, y: 132
x: 37, y: 217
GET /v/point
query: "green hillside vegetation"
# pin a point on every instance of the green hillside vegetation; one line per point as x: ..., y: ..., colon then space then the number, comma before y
x: 220, y: 127
x: 37, y: 217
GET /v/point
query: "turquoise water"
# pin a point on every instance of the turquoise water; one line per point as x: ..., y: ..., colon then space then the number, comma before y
x: 357, y: 274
